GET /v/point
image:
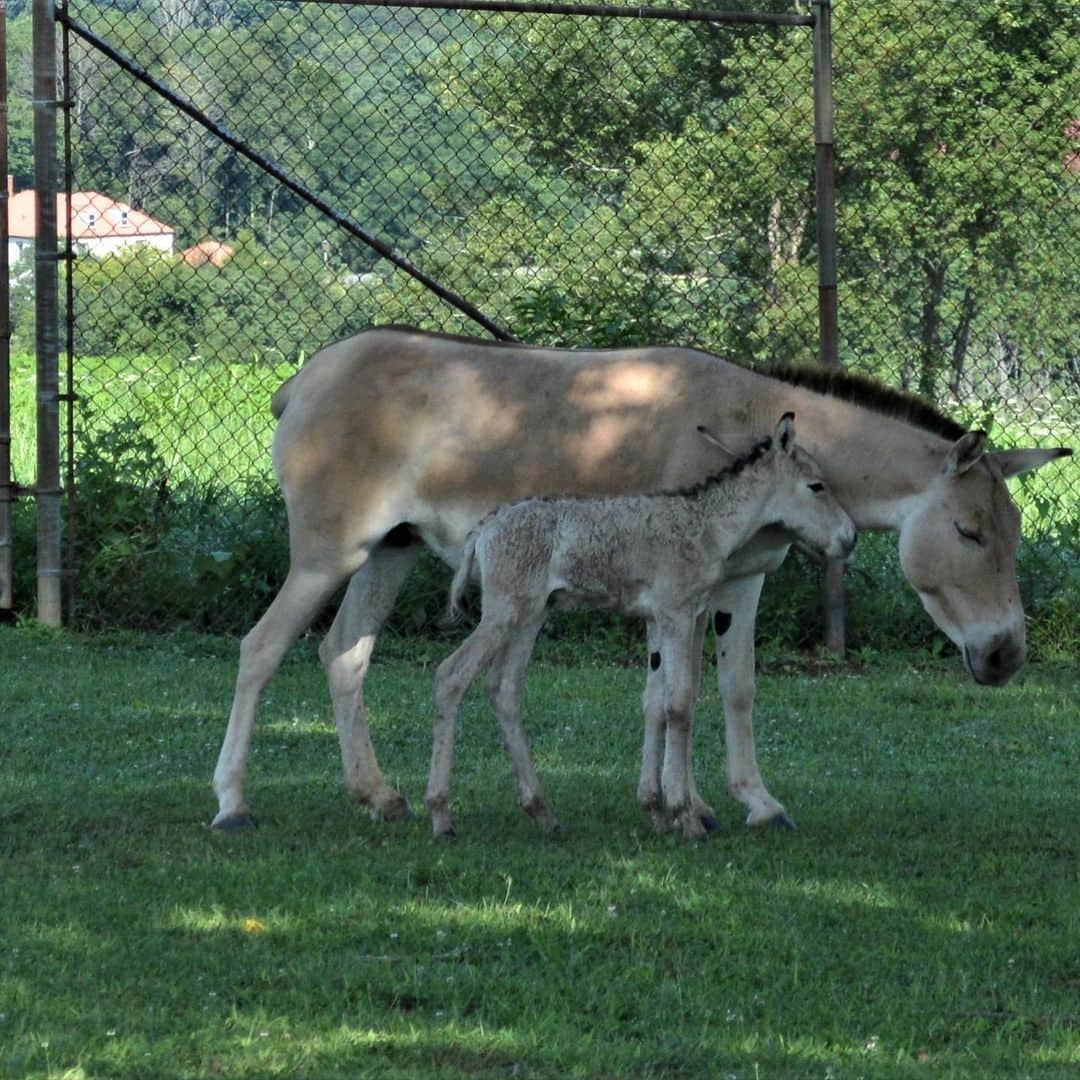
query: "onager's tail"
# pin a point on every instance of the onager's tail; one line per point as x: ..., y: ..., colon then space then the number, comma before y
x: 455, y: 610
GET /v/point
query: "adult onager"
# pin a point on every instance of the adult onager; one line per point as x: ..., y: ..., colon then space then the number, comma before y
x: 660, y: 556
x: 396, y: 438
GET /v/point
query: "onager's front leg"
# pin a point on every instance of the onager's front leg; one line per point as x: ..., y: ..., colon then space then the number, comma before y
x: 735, y: 671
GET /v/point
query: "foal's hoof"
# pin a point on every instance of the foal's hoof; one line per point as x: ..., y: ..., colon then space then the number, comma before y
x: 395, y: 808
x: 446, y: 834
x: 710, y: 823
x: 234, y: 822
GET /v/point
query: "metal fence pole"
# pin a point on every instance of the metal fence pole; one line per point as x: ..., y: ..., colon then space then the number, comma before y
x: 47, y: 490
x: 824, y: 167
x: 6, y: 493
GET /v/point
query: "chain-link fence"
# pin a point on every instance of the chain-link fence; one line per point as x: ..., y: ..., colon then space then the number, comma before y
x: 579, y: 179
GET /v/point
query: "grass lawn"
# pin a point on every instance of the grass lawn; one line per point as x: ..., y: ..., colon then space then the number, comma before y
x: 925, y: 920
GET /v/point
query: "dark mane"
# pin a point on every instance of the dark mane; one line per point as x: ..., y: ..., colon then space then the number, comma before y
x: 863, y: 390
x: 755, y: 453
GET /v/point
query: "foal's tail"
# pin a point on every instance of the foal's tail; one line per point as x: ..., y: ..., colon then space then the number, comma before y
x: 455, y: 610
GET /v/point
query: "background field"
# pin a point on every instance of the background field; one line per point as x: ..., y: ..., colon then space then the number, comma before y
x: 924, y: 921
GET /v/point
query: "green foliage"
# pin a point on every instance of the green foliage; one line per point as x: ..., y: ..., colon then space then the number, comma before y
x: 151, y: 551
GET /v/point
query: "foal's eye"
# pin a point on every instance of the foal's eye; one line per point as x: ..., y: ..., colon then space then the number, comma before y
x: 816, y: 487
x: 969, y: 534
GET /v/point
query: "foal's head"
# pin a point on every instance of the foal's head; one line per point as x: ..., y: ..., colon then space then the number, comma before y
x: 798, y: 499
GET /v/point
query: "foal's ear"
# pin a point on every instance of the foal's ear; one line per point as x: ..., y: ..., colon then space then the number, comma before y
x: 785, y: 433
x: 1014, y: 462
x: 965, y: 452
x: 727, y: 444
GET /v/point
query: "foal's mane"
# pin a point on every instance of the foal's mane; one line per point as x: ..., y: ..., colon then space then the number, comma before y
x: 691, y: 491
x: 837, y: 382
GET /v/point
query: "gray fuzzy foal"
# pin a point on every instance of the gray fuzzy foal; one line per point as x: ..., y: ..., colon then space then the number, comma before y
x: 658, y: 556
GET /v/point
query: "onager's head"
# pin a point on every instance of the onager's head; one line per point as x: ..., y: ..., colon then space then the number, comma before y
x: 798, y: 499
x: 958, y: 549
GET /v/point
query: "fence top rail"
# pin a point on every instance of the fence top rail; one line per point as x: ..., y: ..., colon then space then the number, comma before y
x: 609, y: 11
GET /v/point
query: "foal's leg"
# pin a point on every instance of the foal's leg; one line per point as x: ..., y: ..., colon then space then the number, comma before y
x: 649, y: 794
x: 703, y: 810
x: 346, y: 656
x: 735, y: 670
x: 649, y: 790
x: 676, y: 641
x: 302, y: 595
x: 453, y: 678
x: 504, y: 689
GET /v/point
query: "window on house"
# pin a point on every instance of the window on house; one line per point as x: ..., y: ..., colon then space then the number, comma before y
x: 91, y: 218
x: 123, y: 219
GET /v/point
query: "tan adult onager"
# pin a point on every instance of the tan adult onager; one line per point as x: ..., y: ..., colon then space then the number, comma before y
x: 397, y: 438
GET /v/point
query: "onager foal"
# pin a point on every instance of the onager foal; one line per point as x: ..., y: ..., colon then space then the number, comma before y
x: 659, y: 556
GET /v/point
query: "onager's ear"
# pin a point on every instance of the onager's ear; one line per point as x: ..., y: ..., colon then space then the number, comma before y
x: 1014, y: 462
x: 785, y: 433
x: 965, y: 452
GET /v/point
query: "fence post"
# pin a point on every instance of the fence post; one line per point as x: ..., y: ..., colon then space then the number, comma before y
x: 6, y: 492
x: 47, y: 490
x: 824, y: 169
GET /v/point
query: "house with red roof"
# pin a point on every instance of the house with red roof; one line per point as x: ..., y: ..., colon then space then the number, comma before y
x: 100, y: 225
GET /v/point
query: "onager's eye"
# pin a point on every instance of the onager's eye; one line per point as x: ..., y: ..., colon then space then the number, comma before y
x: 969, y: 534
x: 817, y: 487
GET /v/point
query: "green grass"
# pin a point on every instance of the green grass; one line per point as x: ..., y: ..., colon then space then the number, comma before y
x: 924, y: 921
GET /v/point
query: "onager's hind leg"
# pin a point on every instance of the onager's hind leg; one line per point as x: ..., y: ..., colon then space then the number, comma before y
x: 735, y: 670
x: 453, y: 678
x: 504, y: 689
x: 346, y: 656
x: 261, y: 652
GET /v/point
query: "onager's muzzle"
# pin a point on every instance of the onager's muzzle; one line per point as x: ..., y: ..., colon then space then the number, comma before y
x: 996, y: 661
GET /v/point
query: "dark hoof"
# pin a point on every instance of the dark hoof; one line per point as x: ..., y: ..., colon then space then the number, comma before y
x: 711, y: 824
x: 448, y: 834
x: 782, y: 821
x: 236, y: 823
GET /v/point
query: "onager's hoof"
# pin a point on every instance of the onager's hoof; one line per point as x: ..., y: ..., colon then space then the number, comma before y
x: 234, y: 822
x: 710, y: 823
